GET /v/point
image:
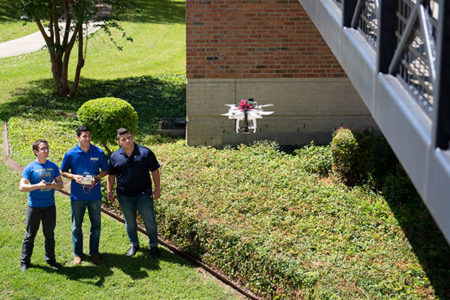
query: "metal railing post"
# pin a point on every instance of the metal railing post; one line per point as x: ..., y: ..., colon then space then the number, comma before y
x: 441, y: 114
x: 387, y: 41
x: 348, y: 12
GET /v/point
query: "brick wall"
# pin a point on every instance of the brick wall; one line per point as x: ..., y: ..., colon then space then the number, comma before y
x: 254, y: 39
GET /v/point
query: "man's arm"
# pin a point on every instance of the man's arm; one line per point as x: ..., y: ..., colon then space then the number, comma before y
x: 157, y: 181
x: 75, y: 177
x: 102, y: 174
x: 26, y: 186
x: 58, y: 185
x: 110, y: 186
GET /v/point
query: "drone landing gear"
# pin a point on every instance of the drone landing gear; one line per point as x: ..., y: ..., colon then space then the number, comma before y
x: 247, y: 128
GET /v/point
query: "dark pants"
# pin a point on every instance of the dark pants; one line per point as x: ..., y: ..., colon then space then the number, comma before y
x: 34, y: 217
x: 143, y: 203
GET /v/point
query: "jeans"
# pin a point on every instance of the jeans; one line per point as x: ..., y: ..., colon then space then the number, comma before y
x: 34, y: 217
x: 78, y: 209
x: 144, y: 204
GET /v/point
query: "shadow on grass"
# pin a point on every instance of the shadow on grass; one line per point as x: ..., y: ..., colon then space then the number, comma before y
x: 8, y: 11
x: 153, y: 97
x: 154, y: 11
x: 427, y: 241
x: 143, y: 11
x: 135, y: 267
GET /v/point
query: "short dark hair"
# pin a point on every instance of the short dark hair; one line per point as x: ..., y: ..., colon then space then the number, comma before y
x: 121, y: 131
x: 81, y: 129
x: 36, y: 144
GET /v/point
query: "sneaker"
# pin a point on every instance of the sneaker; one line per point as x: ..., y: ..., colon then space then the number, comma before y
x: 154, y: 252
x: 24, y: 266
x: 95, y: 258
x: 54, y: 265
x: 132, y: 251
x: 77, y: 260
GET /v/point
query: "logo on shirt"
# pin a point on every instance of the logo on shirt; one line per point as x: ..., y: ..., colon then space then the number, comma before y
x: 94, y: 158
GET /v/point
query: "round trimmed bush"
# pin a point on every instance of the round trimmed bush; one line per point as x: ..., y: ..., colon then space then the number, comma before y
x: 105, y: 115
x: 344, y: 155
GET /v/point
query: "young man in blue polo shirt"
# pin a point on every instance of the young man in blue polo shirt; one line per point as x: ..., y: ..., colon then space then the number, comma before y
x: 132, y: 165
x: 82, y: 164
x: 40, y: 178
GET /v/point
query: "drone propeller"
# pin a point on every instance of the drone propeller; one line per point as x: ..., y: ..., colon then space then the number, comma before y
x: 265, y: 113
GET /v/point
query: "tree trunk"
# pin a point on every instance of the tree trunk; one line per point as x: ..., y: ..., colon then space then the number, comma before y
x: 105, y: 147
x: 56, y: 72
x: 80, y: 63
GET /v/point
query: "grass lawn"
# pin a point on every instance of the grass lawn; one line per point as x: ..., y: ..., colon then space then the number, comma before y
x: 11, y: 27
x: 158, y: 32
x: 14, y: 29
x: 257, y: 213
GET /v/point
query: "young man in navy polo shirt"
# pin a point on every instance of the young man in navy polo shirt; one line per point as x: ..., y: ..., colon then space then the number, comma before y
x: 84, y: 162
x: 132, y: 165
x: 40, y: 178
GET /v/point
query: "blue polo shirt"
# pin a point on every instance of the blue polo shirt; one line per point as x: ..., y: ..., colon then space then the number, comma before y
x: 35, y: 173
x: 84, y: 163
x: 133, y: 173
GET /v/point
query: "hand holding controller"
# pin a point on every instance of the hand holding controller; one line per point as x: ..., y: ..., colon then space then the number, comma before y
x: 88, y: 180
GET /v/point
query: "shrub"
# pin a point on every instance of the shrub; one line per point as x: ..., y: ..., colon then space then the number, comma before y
x: 104, y: 116
x: 344, y: 147
x: 357, y: 157
x: 315, y: 159
x: 384, y: 158
x: 398, y: 187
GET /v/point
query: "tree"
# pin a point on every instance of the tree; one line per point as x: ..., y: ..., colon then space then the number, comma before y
x: 66, y: 22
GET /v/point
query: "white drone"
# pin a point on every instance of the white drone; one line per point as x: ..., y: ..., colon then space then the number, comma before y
x: 248, y: 110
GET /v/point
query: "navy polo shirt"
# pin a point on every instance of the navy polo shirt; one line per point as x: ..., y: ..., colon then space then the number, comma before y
x: 84, y: 163
x: 133, y: 173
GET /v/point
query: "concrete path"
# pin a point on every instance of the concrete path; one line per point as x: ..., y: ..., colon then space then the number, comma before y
x: 29, y: 43
x: 35, y: 41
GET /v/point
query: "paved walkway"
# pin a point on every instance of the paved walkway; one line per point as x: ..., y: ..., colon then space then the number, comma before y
x: 35, y: 41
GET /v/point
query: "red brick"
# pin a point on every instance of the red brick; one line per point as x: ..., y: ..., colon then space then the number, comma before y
x: 256, y: 39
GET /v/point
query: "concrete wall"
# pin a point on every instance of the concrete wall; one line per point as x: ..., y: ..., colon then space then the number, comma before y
x: 305, y: 109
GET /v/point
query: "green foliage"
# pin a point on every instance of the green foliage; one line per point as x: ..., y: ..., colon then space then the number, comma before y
x: 105, y: 115
x: 59, y: 132
x: 10, y: 10
x: 344, y: 147
x: 266, y: 222
x: 384, y: 159
x: 397, y: 186
x: 315, y: 159
x: 353, y: 156
x: 162, y: 12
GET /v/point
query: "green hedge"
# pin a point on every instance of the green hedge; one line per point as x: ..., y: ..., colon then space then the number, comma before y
x: 257, y: 215
x: 315, y: 158
x: 105, y: 115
